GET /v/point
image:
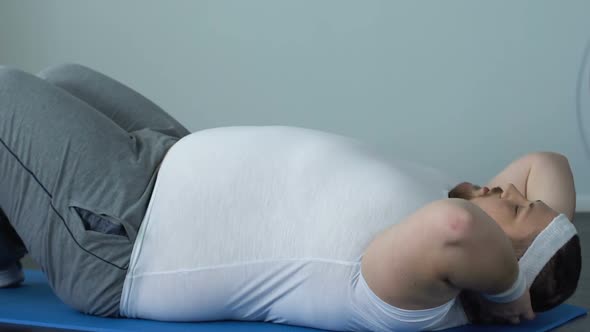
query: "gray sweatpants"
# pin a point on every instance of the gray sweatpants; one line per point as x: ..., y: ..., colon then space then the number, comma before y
x: 79, y: 155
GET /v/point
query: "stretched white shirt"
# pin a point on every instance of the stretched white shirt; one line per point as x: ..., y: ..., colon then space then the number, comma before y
x: 269, y: 223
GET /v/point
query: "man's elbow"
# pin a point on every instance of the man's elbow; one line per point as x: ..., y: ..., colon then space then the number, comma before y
x: 458, y: 218
x: 549, y: 155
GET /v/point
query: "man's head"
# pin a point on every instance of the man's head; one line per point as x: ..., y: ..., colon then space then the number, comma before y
x: 522, y: 220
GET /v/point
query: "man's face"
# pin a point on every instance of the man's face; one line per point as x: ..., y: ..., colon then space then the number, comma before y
x: 522, y: 220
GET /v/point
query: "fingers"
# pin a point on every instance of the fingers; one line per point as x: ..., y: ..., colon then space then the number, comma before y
x: 511, y: 313
x: 530, y: 315
x: 527, y: 316
x: 509, y: 319
x: 514, y: 320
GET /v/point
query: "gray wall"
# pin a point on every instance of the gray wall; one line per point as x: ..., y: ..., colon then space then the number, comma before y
x: 466, y: 86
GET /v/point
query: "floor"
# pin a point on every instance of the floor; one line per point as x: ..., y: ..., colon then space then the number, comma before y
x: 580, y: 298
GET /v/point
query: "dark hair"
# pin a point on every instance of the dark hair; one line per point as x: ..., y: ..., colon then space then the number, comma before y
x: 556, y: 282
x: 558, y: 279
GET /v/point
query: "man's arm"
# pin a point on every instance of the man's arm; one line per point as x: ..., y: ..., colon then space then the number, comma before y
x: 444, y: 247
x: 482, y: 259
x: 545, y: 176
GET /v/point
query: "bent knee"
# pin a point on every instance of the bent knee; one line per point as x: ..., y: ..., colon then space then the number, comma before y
x: 10, y: 76
x: 64, y: 71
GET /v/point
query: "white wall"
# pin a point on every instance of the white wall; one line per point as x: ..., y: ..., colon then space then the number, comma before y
x: 465, y: 86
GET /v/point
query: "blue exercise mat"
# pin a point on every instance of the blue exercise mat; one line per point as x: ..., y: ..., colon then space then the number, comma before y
x: 35, y: 304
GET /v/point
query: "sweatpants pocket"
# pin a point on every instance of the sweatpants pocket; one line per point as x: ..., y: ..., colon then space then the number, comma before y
x: 100, y: 223
x: 101, y: 234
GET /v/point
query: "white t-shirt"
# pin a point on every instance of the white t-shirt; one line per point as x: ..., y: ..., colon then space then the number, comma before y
x: 270, y: 223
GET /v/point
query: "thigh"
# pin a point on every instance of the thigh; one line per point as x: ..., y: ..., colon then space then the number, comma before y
x: 125, y: 106
x: 59, y: 156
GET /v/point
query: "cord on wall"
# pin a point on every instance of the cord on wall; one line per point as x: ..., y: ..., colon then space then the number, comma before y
x: 583, y: 104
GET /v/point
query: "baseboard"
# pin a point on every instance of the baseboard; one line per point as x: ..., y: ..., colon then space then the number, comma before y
x: 583, y: 203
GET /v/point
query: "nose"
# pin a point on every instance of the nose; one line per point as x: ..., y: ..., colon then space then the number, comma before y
x: 510, y: 191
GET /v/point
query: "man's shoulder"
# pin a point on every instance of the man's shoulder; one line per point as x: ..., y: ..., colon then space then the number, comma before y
x: 403, y: 264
